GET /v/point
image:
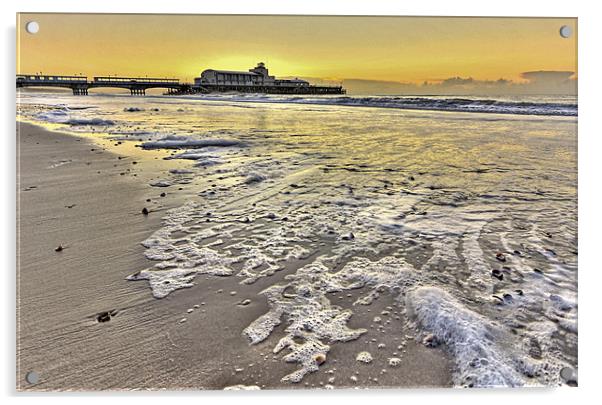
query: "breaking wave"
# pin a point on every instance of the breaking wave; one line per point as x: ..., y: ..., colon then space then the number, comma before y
x: 477, y: 105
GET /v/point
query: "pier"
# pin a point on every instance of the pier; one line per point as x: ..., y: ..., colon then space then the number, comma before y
x: 80, y: 84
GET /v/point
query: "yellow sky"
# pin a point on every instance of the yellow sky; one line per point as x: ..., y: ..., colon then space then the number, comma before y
x: 405, y: 49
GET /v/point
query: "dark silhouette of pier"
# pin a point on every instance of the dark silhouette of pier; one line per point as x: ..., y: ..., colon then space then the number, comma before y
x: 138, y: 85
x: 80, y: 84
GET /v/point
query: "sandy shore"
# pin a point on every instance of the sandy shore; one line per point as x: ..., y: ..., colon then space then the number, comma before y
x: 87, y: 197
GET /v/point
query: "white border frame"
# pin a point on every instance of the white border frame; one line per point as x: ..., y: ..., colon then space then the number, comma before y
x: 590, y: 156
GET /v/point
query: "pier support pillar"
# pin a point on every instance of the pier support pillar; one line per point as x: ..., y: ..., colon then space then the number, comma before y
x: 137, y: 92
x: 80, y: 91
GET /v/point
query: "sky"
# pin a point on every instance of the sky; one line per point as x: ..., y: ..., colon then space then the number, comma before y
x: 390, y: 55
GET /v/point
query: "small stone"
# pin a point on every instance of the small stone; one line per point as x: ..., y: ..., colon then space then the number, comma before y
x: 144, y: 211
x: 183, y: 320
x: 162, y: 194
x: 320, y: 358
x: 497, y: 274
x: 430, y: 340
x: 59, y: 248
x: 103, y: 317
x: 569, y: 376
x: 349, y: 236
x: 500, y: 257
x: 233, y: 293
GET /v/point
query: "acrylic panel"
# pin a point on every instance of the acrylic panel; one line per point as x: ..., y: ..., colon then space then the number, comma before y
x: 212, y: 202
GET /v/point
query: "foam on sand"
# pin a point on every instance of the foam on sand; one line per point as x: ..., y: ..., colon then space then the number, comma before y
x: 309, y: 314
x: 62, y: 116
x: 484, y: 353
x: 182, y: 250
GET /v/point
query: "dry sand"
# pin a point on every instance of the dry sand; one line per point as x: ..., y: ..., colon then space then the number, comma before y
x: 72, y: 193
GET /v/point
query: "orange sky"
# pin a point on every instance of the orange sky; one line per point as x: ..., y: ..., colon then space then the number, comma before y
x: 404, y: 49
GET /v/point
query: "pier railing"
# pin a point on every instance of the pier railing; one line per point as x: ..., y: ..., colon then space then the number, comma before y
x: 136, y: 80
x: 80, y: 84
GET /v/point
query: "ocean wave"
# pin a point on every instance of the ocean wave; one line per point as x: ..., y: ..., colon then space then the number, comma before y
x: 455, y: 104
x: 88, y: 121
x: 61, y: 116
x: 185, y: 142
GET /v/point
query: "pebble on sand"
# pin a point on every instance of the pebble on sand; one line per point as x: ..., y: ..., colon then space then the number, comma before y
x: 103, y: 317
x: 569, y: 376
x: 430, y: 340
x: 59, y: 248
x: 320, y: 358
x: 349, y: 236
x: 144, y: 211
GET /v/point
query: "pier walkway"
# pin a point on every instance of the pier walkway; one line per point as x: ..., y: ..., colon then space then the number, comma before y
x: 80, y: 84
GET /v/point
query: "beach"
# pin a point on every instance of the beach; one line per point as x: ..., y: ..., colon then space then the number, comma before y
x: 340, y: 242
x: 71, y: 194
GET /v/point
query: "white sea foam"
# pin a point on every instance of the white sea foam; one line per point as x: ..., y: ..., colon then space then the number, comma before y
x: 485, y: 354
x: 63, y: 116
x: 187, y: 142
x: 309, y: 314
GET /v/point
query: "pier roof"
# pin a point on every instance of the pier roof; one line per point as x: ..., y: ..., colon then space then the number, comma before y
x: 234, y: 72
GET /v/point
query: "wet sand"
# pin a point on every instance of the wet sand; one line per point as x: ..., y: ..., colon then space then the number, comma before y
x: 76, y: 194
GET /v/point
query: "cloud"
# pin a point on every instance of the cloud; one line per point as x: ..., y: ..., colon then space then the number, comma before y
x: 535, y: 83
